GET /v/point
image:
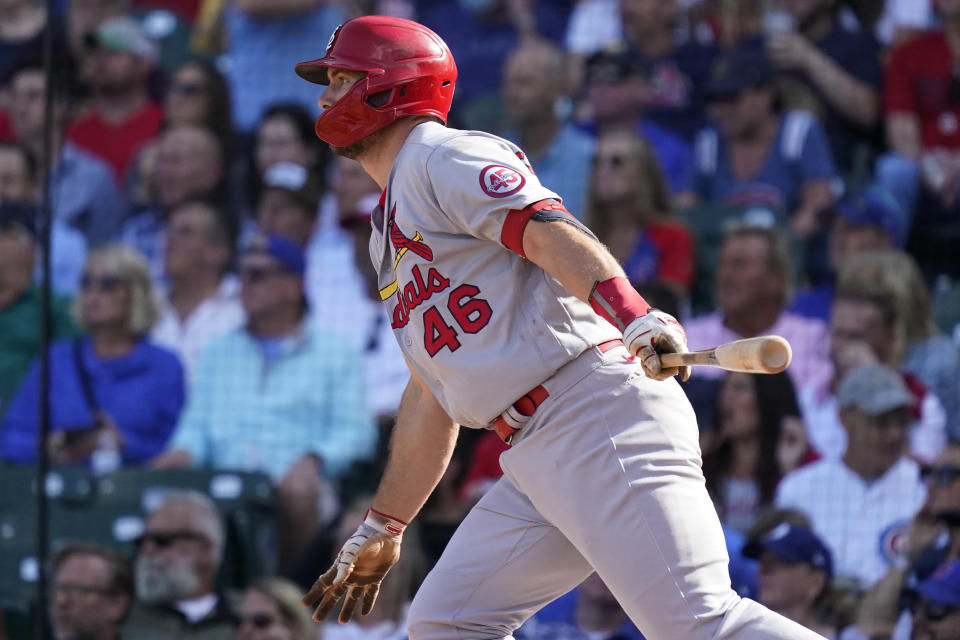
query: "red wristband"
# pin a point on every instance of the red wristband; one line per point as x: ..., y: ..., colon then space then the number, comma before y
x: 384, y: 523
x: 616, y: 301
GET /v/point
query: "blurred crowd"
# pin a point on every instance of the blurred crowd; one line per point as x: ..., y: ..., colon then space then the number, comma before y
x: 757, y: 166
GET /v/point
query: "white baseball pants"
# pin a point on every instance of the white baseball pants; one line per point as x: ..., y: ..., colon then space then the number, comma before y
x: 606, y: 476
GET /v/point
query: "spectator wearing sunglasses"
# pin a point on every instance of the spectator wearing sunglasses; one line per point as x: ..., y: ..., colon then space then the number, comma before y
x: 175, y: 571
x: 113, y: 388
x: 277, y: 395
x: 90, y: 592
x: 933, y: 540
x: 270, y: 609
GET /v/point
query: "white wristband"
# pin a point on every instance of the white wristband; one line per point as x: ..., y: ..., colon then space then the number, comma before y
x: 384, y: 523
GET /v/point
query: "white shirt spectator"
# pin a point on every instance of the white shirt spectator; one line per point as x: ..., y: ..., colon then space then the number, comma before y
x: 862, y: 522
x: 334, y: 286
x: 593, y: 25
x: 214, y: 317
x: 827, y: 435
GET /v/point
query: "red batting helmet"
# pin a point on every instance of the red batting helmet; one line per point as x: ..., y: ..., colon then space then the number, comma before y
x: 399, y: 56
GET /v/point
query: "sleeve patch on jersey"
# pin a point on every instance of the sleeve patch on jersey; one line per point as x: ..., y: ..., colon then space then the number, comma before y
x: 511, y: 235
x: 498, y: 181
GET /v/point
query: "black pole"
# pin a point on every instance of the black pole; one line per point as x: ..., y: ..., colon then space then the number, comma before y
x: 45, y: 226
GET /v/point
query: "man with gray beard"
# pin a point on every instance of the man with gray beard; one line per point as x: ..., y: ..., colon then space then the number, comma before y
x: 175, y: 570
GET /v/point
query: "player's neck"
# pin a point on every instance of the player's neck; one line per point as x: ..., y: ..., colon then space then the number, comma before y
x: 378, y: 161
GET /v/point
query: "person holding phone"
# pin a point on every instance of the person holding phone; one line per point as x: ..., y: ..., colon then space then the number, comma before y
x: 112, y: 390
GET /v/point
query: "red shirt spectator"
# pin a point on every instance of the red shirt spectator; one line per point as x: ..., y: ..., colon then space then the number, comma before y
x: 117, y: 142
x: 920, y: 82
x: 6, y: 131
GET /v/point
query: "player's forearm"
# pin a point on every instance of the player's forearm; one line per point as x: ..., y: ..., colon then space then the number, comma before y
x: 420, y: 450
x: 575, y: 259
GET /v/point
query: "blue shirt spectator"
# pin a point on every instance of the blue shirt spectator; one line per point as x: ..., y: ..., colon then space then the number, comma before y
x: 268, y: 394
x: 799, y: 154
x: 264, y: 49
x: 83, y: 195
x: 259, y: 405
x: 673, y: 153
x: 142, y: 391
x: 481, y: 39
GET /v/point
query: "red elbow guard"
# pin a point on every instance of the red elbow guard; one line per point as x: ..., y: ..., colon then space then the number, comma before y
x: 616, y: 301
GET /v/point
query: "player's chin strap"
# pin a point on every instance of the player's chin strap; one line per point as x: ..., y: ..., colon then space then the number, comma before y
x: 616, y: 301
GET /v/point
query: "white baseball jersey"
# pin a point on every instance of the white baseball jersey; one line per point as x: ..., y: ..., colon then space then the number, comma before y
x: 479, y: 323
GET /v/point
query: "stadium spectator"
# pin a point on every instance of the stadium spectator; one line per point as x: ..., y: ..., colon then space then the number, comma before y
x: 922, y: 114
x: 284, y: 134
x: 936, y: 605
x: 289, y: 202
x: 122, y: 117
x: 793, y: 576
x: 589, y: 612
x: 756, y: 156
x: 90, y: 592
x: 631, y: 212
x: 190, y: 164
x: 893, y: 22
x: 616, y: 88
x: 866, y: 328
x: 23, y: 25
x: 117, y: 394
x: 752, y: 285
x: 836, y: 70
x: 68, y: 246
x: 175, y: 571
x: 594, y: 25
x: 481, y: 35
x: 932, y: 540
x: 84, y: 16
x: 20, y: 322
x: 534, y: 77
x: 757, y: 436
x: 922, y: 350
x: 861, y: 503
x: 270, y: 609
x: 869, y: 220
x: 264, y: 36
x: 277, y: 395
x: 83, y: 192
x: 202, y: 300
x: 678, y: 69
x: 334, y: 282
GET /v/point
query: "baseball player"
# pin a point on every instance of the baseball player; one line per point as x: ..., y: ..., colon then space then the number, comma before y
x: 512, y: 316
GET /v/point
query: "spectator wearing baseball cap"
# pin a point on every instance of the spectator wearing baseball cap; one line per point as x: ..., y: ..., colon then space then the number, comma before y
x: 122, y: 117
x: 863, y: 501
x: 936, y: 605
x: 869, y: 220
x: 278, y: 395
x: 794, y: 165
x: 794, y: 574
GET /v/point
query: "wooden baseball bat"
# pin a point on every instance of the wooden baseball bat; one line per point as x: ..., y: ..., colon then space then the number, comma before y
x: 763, y: 354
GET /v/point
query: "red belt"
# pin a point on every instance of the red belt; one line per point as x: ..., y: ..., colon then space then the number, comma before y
x: 532, y: 399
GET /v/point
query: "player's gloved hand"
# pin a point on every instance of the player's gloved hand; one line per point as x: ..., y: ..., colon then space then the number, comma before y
x: 652, y: 334
x: 359, y: 568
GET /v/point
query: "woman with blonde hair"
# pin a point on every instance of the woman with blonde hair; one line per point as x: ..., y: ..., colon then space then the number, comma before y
x: 115, y: 397
x: 270, y: 609
x: 918, y: 347
x: 630, y: 210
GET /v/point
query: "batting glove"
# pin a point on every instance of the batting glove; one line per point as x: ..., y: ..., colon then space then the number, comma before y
x: 359, y: 569
x: 652, y: 334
